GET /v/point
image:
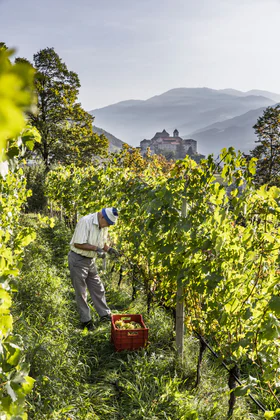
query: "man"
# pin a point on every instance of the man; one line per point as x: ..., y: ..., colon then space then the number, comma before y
x: 89, y: 241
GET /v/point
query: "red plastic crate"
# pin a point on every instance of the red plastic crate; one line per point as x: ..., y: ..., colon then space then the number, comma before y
x: 129, y: 339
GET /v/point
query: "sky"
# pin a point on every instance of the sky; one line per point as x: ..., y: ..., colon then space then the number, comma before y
x: 135, y: 49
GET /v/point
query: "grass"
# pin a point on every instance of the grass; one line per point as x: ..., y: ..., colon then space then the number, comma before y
x: 80, y: 376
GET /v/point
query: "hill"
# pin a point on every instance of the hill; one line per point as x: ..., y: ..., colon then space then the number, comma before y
x: 114, y: 143
x: 237, y: 132
x: 188, y: 110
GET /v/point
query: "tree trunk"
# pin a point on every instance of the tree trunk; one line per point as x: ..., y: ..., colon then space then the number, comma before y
x: 202, y: 349
x: 233, y: 374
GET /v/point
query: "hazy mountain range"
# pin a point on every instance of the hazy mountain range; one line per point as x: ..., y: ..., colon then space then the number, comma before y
x: 215, y: 118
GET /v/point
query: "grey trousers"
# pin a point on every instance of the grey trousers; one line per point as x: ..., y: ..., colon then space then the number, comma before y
x: 84, y: 275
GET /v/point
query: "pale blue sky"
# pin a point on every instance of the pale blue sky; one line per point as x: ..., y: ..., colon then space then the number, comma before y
x: 135, y: 49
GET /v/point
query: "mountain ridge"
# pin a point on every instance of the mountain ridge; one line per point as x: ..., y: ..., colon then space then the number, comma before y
x: 199, y: 112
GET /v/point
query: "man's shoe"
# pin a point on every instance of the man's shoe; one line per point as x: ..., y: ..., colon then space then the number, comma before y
x: 89, y: 325
x: 106, y: 318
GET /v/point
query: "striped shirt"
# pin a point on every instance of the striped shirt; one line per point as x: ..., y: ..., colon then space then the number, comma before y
x: 88, y: 232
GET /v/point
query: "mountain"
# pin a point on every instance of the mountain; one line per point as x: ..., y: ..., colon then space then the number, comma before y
x: 237, y: 132
x: 114, y: 143
x: 189, y: 110
x: 273, y: 96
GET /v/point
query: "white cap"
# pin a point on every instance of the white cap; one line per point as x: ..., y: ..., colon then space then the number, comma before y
x: 110, y: 214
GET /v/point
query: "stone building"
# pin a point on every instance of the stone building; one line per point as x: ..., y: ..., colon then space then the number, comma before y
x: 171, y: 147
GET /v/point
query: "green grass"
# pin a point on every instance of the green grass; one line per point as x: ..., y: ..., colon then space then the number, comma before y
x: 78, y: 373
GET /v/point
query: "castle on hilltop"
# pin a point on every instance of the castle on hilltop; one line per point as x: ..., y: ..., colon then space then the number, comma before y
x: 171, y: 147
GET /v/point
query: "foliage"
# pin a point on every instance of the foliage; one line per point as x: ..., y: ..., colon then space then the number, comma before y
x: 15, y: 97
x: 78, y: 374
x: 15, y: 382
x: 225, y: 252
x: 35, y: 182
x: 74, y: 188
x: 268, y: 150
x: 15, y: 137
x: 65, y: 128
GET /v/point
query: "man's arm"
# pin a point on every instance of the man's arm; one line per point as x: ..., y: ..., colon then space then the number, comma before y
x: 87, y: 247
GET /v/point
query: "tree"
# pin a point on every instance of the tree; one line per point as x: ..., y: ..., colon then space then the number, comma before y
x: 65, y: 128
x: 3, y: 46
x: 268, y: 150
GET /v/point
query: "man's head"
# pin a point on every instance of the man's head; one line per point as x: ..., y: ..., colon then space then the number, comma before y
x: 108, y: 216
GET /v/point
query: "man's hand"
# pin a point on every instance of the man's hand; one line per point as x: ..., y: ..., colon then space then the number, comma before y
x: 113, y: 252
x: 100, y: 253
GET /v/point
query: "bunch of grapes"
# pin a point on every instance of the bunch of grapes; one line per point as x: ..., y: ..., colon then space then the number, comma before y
x: 122, y: 325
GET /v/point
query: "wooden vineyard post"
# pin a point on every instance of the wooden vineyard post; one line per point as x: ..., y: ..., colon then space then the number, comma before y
x: 180, y: 309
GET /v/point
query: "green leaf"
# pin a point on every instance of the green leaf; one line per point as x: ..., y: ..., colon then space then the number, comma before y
x: 30, y: 136
x: 269, y: 415
x: 25, y: 237
x: 268, y: 237
x: 10, y: 391
x: 274, y: 304
x: 5, y: 300
x: 28, y: 384
x: 241, y: 391
x: 6, y: 323
x: 232, y: 305
x: 13, y: 355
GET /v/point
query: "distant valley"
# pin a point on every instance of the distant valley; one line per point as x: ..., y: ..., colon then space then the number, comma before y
x: 215, y: 118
